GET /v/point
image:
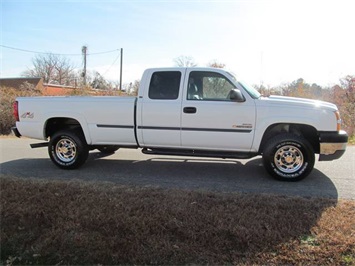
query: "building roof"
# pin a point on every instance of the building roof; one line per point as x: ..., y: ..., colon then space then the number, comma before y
x: 54, y: 90
x: 47, y: 85
x: 17, y: 82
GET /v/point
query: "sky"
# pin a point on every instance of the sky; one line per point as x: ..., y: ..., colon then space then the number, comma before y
x: 269, y: 42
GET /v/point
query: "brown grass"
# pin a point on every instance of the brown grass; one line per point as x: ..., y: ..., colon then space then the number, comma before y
x: 58, y: 222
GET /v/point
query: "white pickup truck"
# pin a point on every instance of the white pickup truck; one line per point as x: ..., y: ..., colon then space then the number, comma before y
x: 202, y: 112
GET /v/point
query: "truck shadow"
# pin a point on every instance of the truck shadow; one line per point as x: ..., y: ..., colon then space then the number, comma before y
x: 217, y: 175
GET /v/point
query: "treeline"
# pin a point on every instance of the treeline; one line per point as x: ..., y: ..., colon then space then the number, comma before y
x: 57, y: 69
x: 342, y: 94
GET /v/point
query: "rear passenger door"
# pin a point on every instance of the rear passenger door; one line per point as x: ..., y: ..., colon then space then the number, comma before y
x: 159, y: 109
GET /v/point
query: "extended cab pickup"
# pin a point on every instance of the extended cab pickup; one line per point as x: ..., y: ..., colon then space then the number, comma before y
x: 201, y: 112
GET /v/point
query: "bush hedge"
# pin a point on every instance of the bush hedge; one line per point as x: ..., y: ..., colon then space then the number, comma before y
x: 7, y: 98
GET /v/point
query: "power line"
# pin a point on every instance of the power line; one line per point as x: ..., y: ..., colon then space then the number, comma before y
x: 118, y: 56
x: 36, y: 52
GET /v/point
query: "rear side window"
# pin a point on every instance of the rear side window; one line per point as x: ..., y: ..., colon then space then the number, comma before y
x: 165, y: 85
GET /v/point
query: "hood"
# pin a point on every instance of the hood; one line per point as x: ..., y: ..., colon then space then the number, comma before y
x: 301, y: 102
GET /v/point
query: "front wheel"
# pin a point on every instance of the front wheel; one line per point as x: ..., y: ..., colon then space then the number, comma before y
x: 288, y: 157
x: 68, y: 149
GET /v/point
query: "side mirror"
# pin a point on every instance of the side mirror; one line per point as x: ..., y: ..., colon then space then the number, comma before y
x: 236, y: 96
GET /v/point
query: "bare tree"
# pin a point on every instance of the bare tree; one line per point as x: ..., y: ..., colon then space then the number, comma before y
x: 185, y: 61
x: 99, y: 82
x: 52, y: 68
x: 216, y: 64
x: 347, y: 103
x: 135, y: 87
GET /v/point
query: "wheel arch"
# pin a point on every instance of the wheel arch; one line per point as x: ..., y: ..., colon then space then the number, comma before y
x: 306, y: 131
x: 55, y: 124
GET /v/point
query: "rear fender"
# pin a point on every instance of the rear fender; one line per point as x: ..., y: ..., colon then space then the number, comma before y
x: 64, y: 115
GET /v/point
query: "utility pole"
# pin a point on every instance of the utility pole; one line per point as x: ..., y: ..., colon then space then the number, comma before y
x: 261, y: 70
x: 121, y: 69
x: 84, y: 50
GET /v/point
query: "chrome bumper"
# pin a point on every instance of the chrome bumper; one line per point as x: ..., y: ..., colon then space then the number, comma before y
x: 332, y: 145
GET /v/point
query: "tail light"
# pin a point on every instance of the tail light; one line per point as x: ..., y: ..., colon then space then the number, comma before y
x: 16, y: 115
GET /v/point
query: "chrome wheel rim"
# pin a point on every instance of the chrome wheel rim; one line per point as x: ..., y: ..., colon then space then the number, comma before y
x: 288, y: 159
x: 65, y: 150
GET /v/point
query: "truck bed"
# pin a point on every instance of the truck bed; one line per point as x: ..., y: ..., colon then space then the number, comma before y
x: 107, y: 120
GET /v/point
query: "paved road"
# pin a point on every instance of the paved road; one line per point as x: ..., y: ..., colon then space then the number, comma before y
x: 130, y: 167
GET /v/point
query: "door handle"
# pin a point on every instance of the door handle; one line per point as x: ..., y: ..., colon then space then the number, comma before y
x: 190, y: 110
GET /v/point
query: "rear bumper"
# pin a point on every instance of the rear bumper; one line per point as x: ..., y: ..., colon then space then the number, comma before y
x: 16, y: 132
x: 332, y: 145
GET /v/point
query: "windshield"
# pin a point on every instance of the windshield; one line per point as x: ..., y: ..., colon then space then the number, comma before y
x: 250, y: 90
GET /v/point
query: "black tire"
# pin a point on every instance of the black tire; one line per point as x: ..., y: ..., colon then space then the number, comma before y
x: 288, y: 157
x: 68, y: 149
x: 108, y: 149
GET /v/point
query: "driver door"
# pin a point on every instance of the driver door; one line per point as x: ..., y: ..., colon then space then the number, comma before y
x: 210, y: 119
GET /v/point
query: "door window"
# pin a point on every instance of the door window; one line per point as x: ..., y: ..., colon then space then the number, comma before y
x: 208, y: 86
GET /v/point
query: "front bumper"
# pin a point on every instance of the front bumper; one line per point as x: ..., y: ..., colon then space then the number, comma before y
x: 332, y: 145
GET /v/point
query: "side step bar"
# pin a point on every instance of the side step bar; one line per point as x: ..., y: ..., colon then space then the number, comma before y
x: 199, y: 153
x: 39, y: 145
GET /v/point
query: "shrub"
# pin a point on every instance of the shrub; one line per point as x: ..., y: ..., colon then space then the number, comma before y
x: 7, y: 98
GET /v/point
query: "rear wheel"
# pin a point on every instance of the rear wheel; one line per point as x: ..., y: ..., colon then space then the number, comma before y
x: 288, y: 157
x: 68, y: 149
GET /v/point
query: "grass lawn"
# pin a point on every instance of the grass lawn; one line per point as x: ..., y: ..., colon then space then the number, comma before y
x: 58, y: 222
